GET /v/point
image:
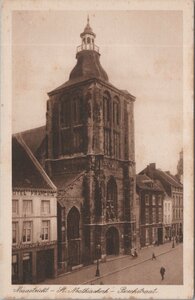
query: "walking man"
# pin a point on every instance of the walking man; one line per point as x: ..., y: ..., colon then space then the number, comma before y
x: 162, y: 272
x: 153, y: 256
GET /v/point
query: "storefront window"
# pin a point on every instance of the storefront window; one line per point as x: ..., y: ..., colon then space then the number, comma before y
x: 14, y: 267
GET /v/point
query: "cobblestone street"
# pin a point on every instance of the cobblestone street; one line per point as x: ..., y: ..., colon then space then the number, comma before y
x: 126, y: 270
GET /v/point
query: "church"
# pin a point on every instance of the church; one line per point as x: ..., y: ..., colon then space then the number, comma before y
x: 87, y: 150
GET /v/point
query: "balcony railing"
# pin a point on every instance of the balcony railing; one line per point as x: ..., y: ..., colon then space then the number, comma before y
x: 87, y: 47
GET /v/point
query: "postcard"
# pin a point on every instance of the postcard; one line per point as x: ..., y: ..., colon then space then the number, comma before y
x: 96, y: 149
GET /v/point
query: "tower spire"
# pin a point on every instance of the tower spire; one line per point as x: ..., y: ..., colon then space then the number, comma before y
x: 87, y: 39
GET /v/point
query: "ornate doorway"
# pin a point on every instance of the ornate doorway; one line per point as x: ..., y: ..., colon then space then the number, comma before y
x: 112, y: 241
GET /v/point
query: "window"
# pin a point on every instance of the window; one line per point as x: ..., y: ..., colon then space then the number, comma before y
x: 65, y: 113
x: 153, y: 214
x: 116, y: 111
x: 146, y: 199
x: 78, y: 140
x: 153, y: 200
x: 147, y: 236
x: 76, y: 110
x: 111, y: 200
x: 27, y: 206
x: 14, y: 232
x: 159, y: 200
x: 15, y: 206
x: 27, y: 231
x: 106, y: 107
x: 116, y: 145
x: 45, y: 231
x: 160, y: 215
x: 147, y: 215
x: 154, y: 234
x: 107, y: 142
x: 45, y: 206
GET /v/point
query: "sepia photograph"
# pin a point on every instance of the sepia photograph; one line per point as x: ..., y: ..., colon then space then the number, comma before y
x: 99, y: 195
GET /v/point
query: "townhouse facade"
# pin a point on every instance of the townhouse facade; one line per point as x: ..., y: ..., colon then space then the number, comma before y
x: 174, y: 190
x: 151, y: 197
x: 34, y: 218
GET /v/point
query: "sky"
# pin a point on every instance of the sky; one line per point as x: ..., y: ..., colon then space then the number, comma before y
x: 141, y: 51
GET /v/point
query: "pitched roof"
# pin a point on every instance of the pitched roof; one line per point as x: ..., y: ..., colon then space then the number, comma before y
x: 33, y: 138
x: 169, y: 178
x: 151, y: 171
x: 146, y: 183
x: 26, y: 170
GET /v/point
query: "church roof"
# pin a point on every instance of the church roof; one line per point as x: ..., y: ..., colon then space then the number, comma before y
x: 26, y: 170
x: 34, y: 138
x: 64, y: 181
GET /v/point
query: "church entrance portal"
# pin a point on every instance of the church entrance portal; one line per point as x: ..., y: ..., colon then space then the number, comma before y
x: 112, y: 241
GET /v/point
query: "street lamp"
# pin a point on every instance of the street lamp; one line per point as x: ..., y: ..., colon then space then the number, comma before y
x: 98, y: 252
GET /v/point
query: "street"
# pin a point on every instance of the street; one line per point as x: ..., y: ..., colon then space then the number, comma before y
x: 127, y: 270
x: 148, y: 272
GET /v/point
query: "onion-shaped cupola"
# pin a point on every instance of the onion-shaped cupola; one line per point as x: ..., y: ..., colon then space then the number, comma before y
x: 88, y: 62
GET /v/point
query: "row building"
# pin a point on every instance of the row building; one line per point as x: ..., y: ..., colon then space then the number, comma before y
x: 34, y: 218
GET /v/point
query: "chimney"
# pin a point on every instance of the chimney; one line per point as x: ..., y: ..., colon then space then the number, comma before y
x: 152, y: 166
x: 150, y: 170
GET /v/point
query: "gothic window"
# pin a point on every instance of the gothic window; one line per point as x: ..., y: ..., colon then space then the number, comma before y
x: 116, y: 111
x: 73, y: 221
x: 106, y: 107
x: 111, y: 200
x: 107, y: 141
x: 116, y: 145
x: 98, y: 199
x: 76, y: 110
x: 88, y: 40
x: 65, y: 113
x: 66, y: 143
x: 78, y: 140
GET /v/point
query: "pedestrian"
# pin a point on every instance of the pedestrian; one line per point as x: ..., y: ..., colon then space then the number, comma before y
x: 135, y: 253
x: 153, y: 256
x: 162, y: 272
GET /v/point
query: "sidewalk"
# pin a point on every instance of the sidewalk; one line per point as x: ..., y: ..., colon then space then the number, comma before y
x: 86, y: 275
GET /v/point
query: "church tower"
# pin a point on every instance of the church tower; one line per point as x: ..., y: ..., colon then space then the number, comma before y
x: 91, y: 160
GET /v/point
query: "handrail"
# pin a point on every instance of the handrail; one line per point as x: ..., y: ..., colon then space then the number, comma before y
x: 87, y: 47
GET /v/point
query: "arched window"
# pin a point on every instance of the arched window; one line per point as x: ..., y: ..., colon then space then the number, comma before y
x: 111, y: 200
x: 88, y: 40
x: 98, y: 199
x: 116, y: 111
x: 77, y: 110
x: 107, y: 125
x: 106, y: 107
x: 73, y: 220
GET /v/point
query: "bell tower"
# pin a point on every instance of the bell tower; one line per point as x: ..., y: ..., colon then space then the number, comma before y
x: 90, y: 148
